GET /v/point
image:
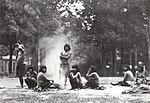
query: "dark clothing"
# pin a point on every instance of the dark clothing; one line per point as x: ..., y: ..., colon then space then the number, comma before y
x: 75, y: 80
x: 92, y: 83
x: 31, y: 83
x: 45, y: 84
x: 31, y: 79
x: 123, y: 83
x: 92, y: 80
x: 20, y: 70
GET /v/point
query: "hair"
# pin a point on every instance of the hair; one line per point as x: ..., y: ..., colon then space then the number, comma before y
x: 76, y: 67
x: 93, y: 69
x: 126, y: 66
x: 30, y: 67
x: 67, y: 45
x: 42, y: 67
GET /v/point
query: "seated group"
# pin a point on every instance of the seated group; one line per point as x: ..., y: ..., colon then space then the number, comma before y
x: 40, y: 81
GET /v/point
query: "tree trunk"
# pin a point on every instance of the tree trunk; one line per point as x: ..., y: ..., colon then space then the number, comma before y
x: 103, y: 59
x: 114, y: 61
x: 10, y: 59
x: 147, y: 30
x: 34, y: 60
x: 122, y: 59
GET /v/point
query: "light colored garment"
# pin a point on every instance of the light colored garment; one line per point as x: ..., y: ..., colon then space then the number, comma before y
x: 41, y: 78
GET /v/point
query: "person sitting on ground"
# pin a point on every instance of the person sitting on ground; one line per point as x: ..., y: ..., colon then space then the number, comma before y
x: 128, y: 77
x: 44, y: 83
x: 92, y: 79
x: 140, y: 74
x: 42, y: 80
x: 31, y: 78
x: 75, y: 77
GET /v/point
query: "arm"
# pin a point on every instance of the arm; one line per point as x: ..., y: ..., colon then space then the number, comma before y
x: 28, y: 75
x: 125, y: 77
x: 87, y: 75
x: 66, y: 56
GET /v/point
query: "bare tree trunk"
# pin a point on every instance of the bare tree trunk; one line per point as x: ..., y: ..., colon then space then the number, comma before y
x: 103, y: 59
x: 114, y: 61
x: 10, y: 59
x: 122, y: 59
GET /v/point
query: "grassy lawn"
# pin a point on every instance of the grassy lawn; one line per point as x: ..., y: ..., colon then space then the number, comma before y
x: 12, y: 93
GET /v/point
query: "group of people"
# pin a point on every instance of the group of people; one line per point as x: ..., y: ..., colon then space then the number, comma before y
x: 131, y: 79
x: 39, y: 80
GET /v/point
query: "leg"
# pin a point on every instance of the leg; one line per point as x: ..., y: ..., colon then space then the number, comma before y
x: 66, y: 69
x: 21, y: 81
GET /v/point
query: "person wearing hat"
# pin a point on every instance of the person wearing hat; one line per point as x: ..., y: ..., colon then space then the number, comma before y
x: 31, y: 79
x: 65, y: 66
x: 128, y: 78
x: 75, y: 78
x: 20, y: 69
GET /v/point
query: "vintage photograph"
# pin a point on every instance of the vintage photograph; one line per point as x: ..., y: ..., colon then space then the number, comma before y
x: 74, y: 51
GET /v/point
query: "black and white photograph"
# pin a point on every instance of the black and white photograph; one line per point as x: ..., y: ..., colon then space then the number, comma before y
x: 74, y: 51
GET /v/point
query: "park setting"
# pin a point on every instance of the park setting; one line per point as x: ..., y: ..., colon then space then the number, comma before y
x: 88, y: 51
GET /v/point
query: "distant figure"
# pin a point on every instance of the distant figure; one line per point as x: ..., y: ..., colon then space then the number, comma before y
x: 20, y: 69
x: 64, y: 66
x: 140, y: 74
x: 75, y: 78
x: 128, y: 77
x: 43, y: 82
x: 31, y: 79
x: 92, y: 78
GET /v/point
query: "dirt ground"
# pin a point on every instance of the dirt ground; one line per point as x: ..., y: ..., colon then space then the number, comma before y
x: 12, y: 93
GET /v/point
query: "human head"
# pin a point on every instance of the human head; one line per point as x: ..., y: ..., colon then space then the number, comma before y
x: 43, y: 69
x: 92, y: 69
x: 30, y: 69
x: 75, y: 68
x: 67, y: 47
x: 126, y: 68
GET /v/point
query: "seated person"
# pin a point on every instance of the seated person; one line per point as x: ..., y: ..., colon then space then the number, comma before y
x: 92, y: 78
x: 31, y: 78
x: 128, y: 77
x: 75, y: 77
x: 43, y: 82
x: 140, y: 74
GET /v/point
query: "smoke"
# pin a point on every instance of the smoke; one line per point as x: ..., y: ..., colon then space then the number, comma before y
x: 53, y: 46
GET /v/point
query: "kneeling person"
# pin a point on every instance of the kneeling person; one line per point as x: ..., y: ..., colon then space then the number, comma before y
x: 75, y: 77
x: 31, y: 78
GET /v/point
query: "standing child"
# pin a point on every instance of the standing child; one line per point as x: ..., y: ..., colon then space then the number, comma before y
x: 64, y: 66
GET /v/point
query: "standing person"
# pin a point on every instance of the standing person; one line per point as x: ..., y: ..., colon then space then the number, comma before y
x: 64, y: 66
x: 92, y: 78
x: 75, y: 78
x: 20, y: 69
x: 31, y: 79
x: 128, y: 77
